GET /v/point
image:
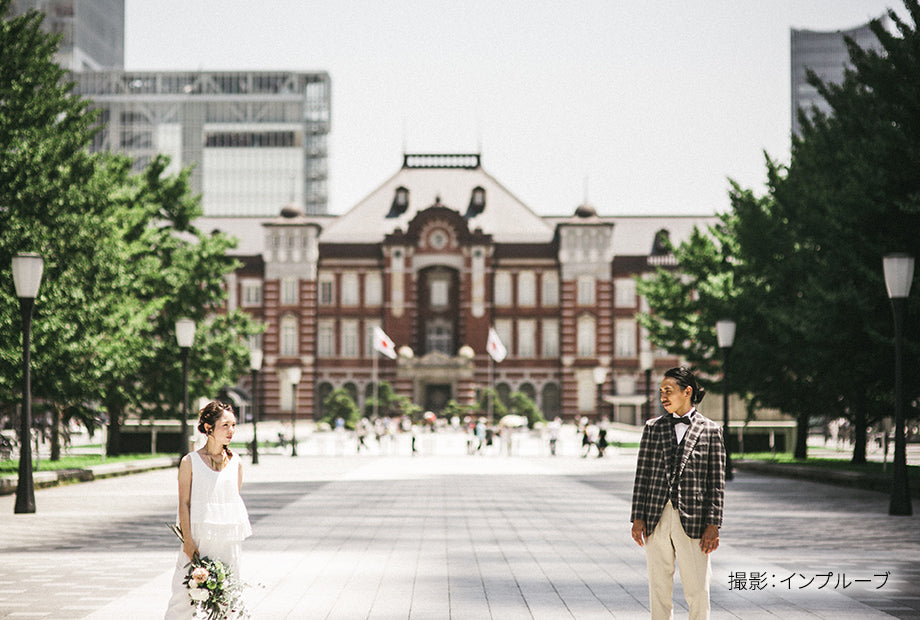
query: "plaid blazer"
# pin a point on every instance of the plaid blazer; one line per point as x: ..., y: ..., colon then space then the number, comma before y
x: 701, y: 475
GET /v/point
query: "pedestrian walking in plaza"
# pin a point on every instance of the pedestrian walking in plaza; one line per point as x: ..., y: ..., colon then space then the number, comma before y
x: 554, y: 428
x: 589, y: 439
x: 212, y: 516
x: 601, y: 442
x: 364, y: 428
x: 480, y: 435
x: 678, y: 496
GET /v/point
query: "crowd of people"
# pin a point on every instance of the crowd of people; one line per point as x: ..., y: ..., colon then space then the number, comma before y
x: 398, y: 435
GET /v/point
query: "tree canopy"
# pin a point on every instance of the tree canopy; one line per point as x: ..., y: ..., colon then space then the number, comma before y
x: 800, y: 268
x: 123, y: 259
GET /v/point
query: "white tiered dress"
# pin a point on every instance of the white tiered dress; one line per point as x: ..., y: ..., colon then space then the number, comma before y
x: 219, y: 523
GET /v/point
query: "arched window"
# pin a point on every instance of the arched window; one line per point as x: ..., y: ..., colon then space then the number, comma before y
x: 368, y: 392
x: 503, y: 391
x: 352, y: 390
x: 322, y: 393
x: 528, y: 390
x: 552, y: 403
x: 661, y: 245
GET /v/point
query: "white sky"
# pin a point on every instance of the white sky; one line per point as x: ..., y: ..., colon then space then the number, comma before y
x: 650, y: 104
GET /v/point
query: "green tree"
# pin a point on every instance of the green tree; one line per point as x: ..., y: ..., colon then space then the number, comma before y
x: 339, y: 404
x: 176, y: 271
x: 389, y: 403
x: 50, y: 190
x: 686, y: 302
x: 453, y: 408
x: 489, y: 396
x: 778, y: 359
x: 520, y: 403
x: 848, y: 197
x: 853, y: 191
x: 122, y: 258
x: 799, y: 269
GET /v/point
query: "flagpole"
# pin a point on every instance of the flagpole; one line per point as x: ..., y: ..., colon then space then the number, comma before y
x: 491, y: 389
x: 374, y: 381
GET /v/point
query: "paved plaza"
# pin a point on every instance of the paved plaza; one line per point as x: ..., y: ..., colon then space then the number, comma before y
x: 444, y: 534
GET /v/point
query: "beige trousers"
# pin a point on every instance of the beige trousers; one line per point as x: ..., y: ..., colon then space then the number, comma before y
x: 664, y: 544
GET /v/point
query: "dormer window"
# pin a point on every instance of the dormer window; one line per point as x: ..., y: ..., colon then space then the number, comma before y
x: 662, y: 243
x: 400, y: 202
x: 477, y: 202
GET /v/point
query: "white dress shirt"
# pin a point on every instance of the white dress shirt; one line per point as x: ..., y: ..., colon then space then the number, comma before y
x: 681, y: 429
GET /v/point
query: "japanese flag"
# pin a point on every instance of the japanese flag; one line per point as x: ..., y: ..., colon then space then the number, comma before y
x: 383, y: 344
x: 494, y: 346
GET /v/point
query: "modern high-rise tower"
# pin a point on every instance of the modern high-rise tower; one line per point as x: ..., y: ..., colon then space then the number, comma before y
x: 825, y: 53
x: 93, y: 32
x: 256, y: 139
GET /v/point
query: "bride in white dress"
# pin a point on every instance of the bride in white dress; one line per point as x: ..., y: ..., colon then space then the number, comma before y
x: 212, y: 515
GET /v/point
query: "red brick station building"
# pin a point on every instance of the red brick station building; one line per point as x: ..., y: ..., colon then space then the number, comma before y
x: 435, y: 256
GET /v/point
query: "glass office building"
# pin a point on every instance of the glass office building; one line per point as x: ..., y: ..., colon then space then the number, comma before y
x: 257, y: 139
x: 825, y: 53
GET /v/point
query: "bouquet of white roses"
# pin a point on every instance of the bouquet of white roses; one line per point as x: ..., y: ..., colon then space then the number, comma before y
x: 213, y: 590
x: 212, y: 587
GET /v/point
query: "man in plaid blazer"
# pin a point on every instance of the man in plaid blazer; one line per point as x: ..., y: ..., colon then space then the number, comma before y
x: 678, y: 496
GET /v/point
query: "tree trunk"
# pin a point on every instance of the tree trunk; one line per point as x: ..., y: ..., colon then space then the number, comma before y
x: 801, y: 436
x: 113, y: 444
x: 55, y: 433
x: 860, y: 432
x: 859, y: 425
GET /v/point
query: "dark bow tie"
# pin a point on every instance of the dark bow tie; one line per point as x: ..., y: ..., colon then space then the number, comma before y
x: 684, y: 419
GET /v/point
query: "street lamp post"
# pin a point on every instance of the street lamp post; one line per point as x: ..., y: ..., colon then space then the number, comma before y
x: 600, y: 375
x: 185, y: 336
x: 725, y: 333
x: 293, y: 378
x: 255, y: 364
x: 647, y: 362
x: 27, y: 276
x: 899, y: 272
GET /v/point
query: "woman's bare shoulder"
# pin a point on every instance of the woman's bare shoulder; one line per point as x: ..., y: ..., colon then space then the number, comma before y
x: 185, y: 463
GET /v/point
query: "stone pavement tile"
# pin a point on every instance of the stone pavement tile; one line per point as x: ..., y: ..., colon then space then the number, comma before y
x: 147, y: 602
x: 468, y: 601
x: 471, y: 537
x: 799, y: 527
x: 276, y: 580
x: 394, y: 600
x: 82, y: 580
